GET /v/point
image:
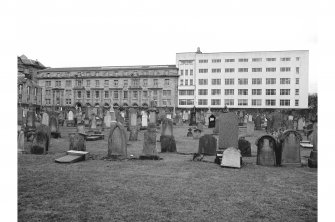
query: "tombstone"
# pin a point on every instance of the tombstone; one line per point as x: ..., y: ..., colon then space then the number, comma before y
x: 70, y: 120
x: 45, y: 119
x: 77, y: 142
x: 277, y: 121
x: 289, y: 124
x: 196, y: 133
x: 149, y: 144
x: 301, y: 123
x: 246, y: 119
x: 250, y: 128
x: 133, y: 125
x: 207, y: 145
x: 73, y: 156
x: 295, y: 124
x: 20, y: 142
x: 313, y: 159
x: 81, y: 128
x: 152, y: 116
x: 19, y: 116
x: 250, y: 118
x: 41, y: 140
x: 168, y: 144
x: 211, y: 121
x: 290, y: 146
x: 193, y: 120
x: 189, y: 133
x: 231, y: 157
x: 258, y: 122
x: 107, y: 119
x: 245, y: 147
x: 266, y: 150
x: 117, y: 141
x: 31, y: 119
x: 93, y: 122
x: 185, y: 115
x: 228, y: 130
x: 54, y: 127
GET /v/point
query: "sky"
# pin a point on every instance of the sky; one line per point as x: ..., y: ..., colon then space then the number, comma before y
x: 69, y: 33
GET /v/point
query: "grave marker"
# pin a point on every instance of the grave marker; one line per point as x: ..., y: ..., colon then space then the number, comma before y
x: 266, y: 148
x: 245, y: 147
x: 149, y: 143
x: 41, y: 140
x: 231, y: 157
x: 117, y: 141
x: 228, y: 130
x: 207, y: 145
x: 73, y: 156
x: 77, y: 142
x: 108, y: 119
x: 258, y: 122
x: 250, y: 128
x: 211, y: 121
x: 290, y: 146
x: 20, y: 142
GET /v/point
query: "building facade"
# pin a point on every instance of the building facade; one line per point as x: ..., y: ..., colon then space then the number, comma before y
x: 260, y: 79
x: 122, y: 86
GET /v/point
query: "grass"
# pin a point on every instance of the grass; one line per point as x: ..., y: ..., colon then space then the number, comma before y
x: 172, y: 189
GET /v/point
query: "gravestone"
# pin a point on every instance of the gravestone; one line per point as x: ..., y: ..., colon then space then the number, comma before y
x: 246, y: 119
x: 41, y: 140
x: 117, y: 141
x: 231, y: 157
x: 168, y: 144
x: 144, y: 119
x: 211, y: 121
x: 152, y: 116
x: 77, y: 142
x: 189, y: 133
x: 313, y: 159
x: 290, y: 146
x: 301, y: 123
x: 93, y: 122
x: 167, y: 127
x: 258, y: 122
x: 250, y: 128
x: 250, y: 118
x: 216, y: 130
x: 20, y: 142
x: 266, y: 150
x: 295, y: 124
x: 81, y: 128
x: 70, y: 120
x: 73, y: 156
x: 277, y: 121
x: 45, y: 119
x: 118, y: 117
x: 108, y: 119
x: 245, y: 147
x: 133, y: 125
x: 196, y: 133
x: 207, y: 145
x: 185, y: 115
x: 228, y: 130
x: 54, y: 127
x: 149, y: 144
x: 31, y: 119
x: 193, y: 121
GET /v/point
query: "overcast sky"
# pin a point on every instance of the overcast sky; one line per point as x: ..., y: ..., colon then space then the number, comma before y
x: 67, y: 33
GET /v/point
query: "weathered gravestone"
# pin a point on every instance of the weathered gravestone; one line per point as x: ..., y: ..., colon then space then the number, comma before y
x: 133, y: 125
x: 301, y: 123
x: 20, y: 142
x: 149, y: 144
x: 77, y: 142
x: 266, y: 150
x: 211, y: 121
x: 216, y: 130
x: 208, y: 114
x: 41, y: 140
x: 277, y: 121
x: 117, y: 141
x: 70, y: 120
x: 54, y: 127
x: 193, y: 120
x: 228, y: 130
x: 207, y: 145
x: 45, y: 119
x: 144, y: 119
x: 189, y: 133
x: 313, y: 159
x: 152, y: 116
x: 231, y: 157
x: 31, y: 119
x: 258, y: 122
x: 290, y: 146
x: 245, y: 147
x: 168, y: 143
x: 250, y: 118
x: 250, y: 128
x: 108, y: 119
x: 93, y: 122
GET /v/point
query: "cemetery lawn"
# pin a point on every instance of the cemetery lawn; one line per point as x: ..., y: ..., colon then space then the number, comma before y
x: 173, y: 189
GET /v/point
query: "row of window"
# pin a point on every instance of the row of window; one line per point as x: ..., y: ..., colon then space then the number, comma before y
x: 232, y: 70
x: 242, y: 92
x: 165, y: 102
x: 283, y: 59
x: 240, y: 102
x: 244, y: 81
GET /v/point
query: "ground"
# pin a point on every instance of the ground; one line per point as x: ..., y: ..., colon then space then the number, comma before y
x: 173, y: 189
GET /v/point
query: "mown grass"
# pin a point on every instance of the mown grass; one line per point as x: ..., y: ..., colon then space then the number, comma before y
x: 172, y: 189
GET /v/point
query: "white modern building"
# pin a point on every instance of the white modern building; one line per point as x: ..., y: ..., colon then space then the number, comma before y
x: 258, y: 79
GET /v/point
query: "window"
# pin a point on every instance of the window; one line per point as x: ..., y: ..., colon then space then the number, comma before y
x: 284, y: 102
x: 155, y: 92
x: 243, y: 81
x: 116, y: 95
x: 182, y: 102
x: 216, y: 92
x: 285, y: 92
x: 186, y: 72
x: 256, y: 69
x: 202, y: 102
x: 181, y: 72
x: 229, y: 70
x: 106, y: 94
x: 155, y: 82
x: 186, y: 92
x: 190, y: 102
x: 106, y: 82
x: 135, y: 94
x: 79, y: 94
x: 166, y: 82
x: 145, y: 94
x: 216, y: 70
x: 243, y: 60
x: 68, y: 92
x: 203, y: 81
x: 181, y: 82
x: 256, y: 81
x: 270, y: 59
x: 270, y: 81
x: 256, y: 59
x: 270, y: 69
x: 191, y: 72
x: 186, y: 82
x: 145, y: 82
x: 202, y: 92
x: 97, y: 83
x: 68, y: 102
x: 48, y: 92
x: 116, y: 82
x: 229, y: 81
x: 297, y: 92
x: 270, y: 92
x: 203, y: 70
x: 242, y: 69
x: 166, y: 92
x: 59, y: 83
x: 285, y: 81
x: 88, y: 83
x: 79, y: 83
x: 88, y: 94
x: 243, y: 92
x: 285, y: 69
x: 48, y: 83
x: 256, y: 102
x: 242, y: 102
x: 256, y: 92
x: 216, y: 102
x: 203, y: 61
x: 229, y: 91
x: 125, y: 82
x: 229, y: 102
x: 297, y: 58
x: 191, y: 82
x: 297, y: 102
x: 297, y: 69
x: 285, y: 59
x: 270, y: 102
x: 97, y: 94
x: 166, y: 102
x: 216, y: 60
x: 297, y: 81
x: 216, y: 81
x: 229, y: 60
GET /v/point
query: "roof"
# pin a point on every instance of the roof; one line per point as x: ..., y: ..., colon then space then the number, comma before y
x: 31, y: 62
x: 102, y: 68
x: 298, y: 50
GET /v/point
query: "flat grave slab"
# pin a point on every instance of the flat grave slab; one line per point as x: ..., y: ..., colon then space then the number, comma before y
x: 73, y: 156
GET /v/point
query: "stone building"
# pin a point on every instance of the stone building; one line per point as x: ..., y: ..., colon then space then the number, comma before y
x: 117, y: 86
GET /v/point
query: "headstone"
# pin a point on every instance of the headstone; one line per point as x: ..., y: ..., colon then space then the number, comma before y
x: 81, y: 128
x: 245, y: 147
x: 250, y: 128
x: 258, y: 122
x: 189, y: 133
x: 168, y: 144
x: 211, y: 121
x: 250, y: 118
x: 228, y: 130
x: 290, y: 146
x: 277, y: 121
x: 73, y: 156
x: 117, y: 141
x: 77, y: 142
x: 167, y: 127
x: 144, y: 119
x: 20, y: 142
x: 301, y: 123
x: 149, y: 144
x: 313, y: 159
x: 207, y: 145
x: 133, y: 125
x: 246, y: 119
x: 196, y: 134
x: 107, y: 119
x: 118, y: 117
x: 45, y: 119
x: 266, y: 148
x: 70, y: 115
x: 185, y: 115
x: 41, y: 140
x: 152, y: 116
x: 54, y: 127
x: 231, y: 157
x: 193, y: 120
x: 93, y: 122
x: 289, y: 124
x: 31, y: 118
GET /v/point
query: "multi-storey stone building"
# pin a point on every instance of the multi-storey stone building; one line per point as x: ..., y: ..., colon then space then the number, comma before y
x: 260, y: 79
x: 117, y: 86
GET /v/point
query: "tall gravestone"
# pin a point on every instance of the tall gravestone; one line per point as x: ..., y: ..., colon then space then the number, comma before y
x: 207, y: 145
x: 301, y: 123
x: 250, y: 128
x: 258, y: 122
x: 266, y: 150
x: 45, y: 119
x: 107, y: 119
x: 211, y: 121
x: 117, y: 141
x: 216, y: 129
x: 70, y: 119
x: 54, y: 125
x: 193, y: 120
x: 77, y: 142
x: 20, y: 142
x: 313, y: 159
x: 250, y: 118
x: 144, y: 119
x: 168, y: 143
x: 228, y: 130
x: 19, y: 116
x: 133, y: 125
x: 245, y: 147
x: 41, y: 140
x: 290, y: 146
x: 93, y: 122
x: 277, y: 120
x: 149, y: 144
x: 152, y: 116
x: 31, y: 119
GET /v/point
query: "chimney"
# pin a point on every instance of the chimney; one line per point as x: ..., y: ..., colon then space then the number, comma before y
x: 198, y: 50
